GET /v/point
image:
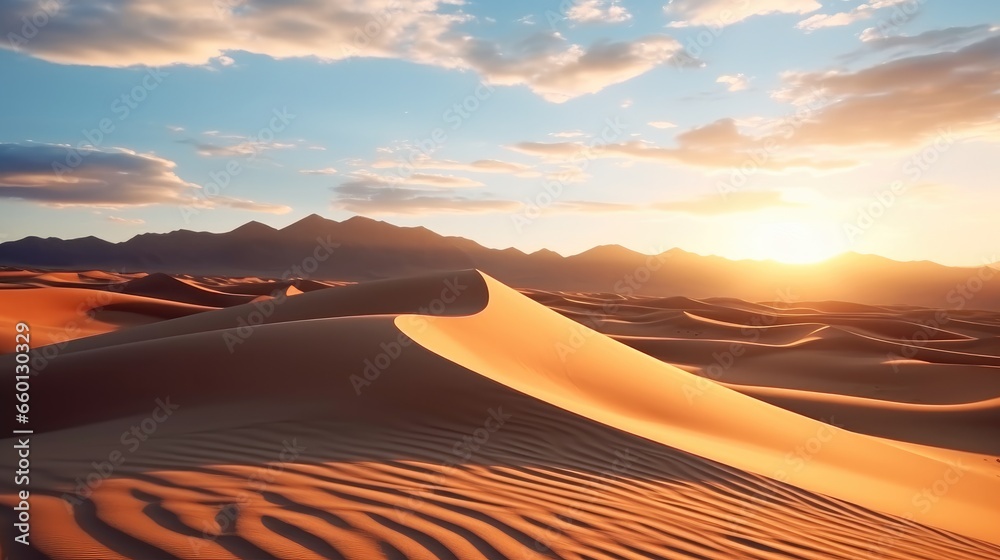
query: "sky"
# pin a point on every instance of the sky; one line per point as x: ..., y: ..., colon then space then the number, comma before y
x: 791, y: 130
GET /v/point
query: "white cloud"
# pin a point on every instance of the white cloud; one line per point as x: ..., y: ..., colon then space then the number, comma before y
x: 478, y: 166
x: 720, y: 13
x: 558, y: 70
x: 598, y: 11
x: 567, y: 134
x: 661, y: 124
x: 858, y: 13
x: 411, y: 179
x: 324, y: 171
x: 734, y: 82
x: 126, y: 221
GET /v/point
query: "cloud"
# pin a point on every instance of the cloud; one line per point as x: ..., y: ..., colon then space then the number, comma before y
x: 661, y: 124
x: 569, y: 174
x: 708, y: 205
x: 597, y: 11
x: 593, y: 207
x: 60, y: 175
x: 738, y: 201
x: 65, y: 176
x: 858, y: 13
x: 839, y: 117
x: 435, y: 180
x: 377, y: 198
x: 126, y: 221
x: 478, y: 166
x: 719, y: 13
x: 131, y: 32
x: 735, y: 82
x: 553, y: 151
x: 905, y: 102
x: 414, y: 179
x: 558, y: 71
x: 567, y: 134
x: 239, y: 147
x: 717, y: 145
x: 242, y: 204
x: 324, y: 171
x: 934, y: 39
x: 121, y: 33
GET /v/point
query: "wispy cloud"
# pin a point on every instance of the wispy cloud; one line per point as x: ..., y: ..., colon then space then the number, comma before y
x: 720, y: 13
x: 735, y: 202
x: 733, y: 82
x: 718, y: 145
x: 323, y: 171
x: 567, y: 134
x: 478, y: 166
x: 593, y: 11
x: 379, y: 198
x: 412, y: 179
x: 126, y: 221
x: 237, y: 145
x: 861, y: 12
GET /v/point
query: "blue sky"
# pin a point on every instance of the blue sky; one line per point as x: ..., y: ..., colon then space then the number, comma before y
x: 528, y: 124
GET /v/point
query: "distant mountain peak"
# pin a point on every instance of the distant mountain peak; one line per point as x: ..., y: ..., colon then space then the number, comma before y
x: 255, y: 228
x: 548, y: 253
x: 312, y: 224
x: 609, y: 251
x: 360, y: 220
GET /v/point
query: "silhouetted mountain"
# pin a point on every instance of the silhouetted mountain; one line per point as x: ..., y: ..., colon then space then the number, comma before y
x: 364, y: 249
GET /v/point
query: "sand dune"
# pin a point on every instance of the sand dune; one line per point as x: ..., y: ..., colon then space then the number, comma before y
x: 448, y: 416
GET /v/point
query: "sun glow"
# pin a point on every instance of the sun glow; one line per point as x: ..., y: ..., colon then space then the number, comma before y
x: 795, y: 242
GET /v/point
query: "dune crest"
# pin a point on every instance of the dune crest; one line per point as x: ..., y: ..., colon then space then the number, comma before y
x: 569, y: 365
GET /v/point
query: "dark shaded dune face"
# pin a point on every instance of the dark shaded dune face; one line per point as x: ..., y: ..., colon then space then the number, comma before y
x: 304, y: 347
x: 167, y: 287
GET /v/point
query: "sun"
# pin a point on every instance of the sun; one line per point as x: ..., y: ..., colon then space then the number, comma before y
x: 796, y: 242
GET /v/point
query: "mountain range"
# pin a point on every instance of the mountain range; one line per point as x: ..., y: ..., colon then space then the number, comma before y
x: 359, y: 249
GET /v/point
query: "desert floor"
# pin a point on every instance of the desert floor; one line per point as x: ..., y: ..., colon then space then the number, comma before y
x: 450, y: 416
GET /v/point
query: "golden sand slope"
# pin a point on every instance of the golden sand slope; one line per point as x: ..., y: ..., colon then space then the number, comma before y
x: 504, y: 431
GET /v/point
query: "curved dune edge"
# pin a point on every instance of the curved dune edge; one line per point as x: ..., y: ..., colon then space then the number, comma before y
x: 575, y: 368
